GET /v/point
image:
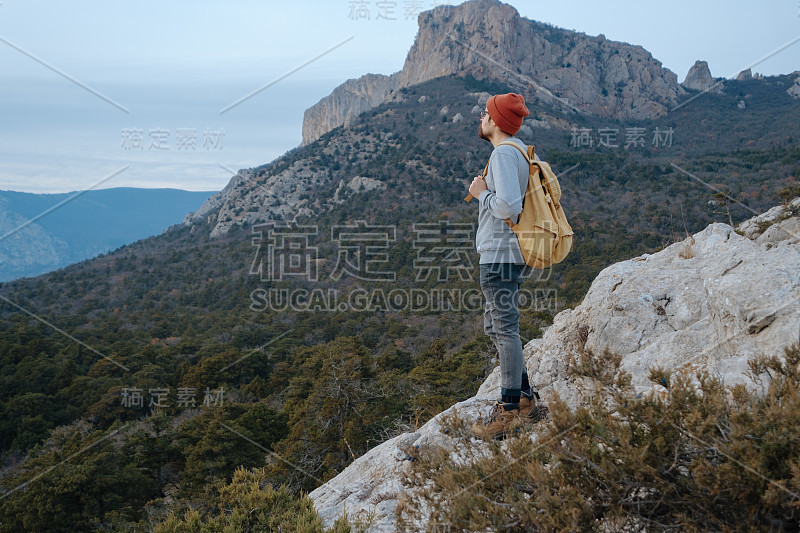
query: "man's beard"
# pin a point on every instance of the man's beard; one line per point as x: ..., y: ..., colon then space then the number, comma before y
x: 481, y: 134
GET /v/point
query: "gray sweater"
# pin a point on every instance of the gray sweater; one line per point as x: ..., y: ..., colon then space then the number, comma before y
x: 506, y: 180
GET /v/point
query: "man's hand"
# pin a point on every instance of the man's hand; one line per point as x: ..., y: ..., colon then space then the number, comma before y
x: 478, y: 186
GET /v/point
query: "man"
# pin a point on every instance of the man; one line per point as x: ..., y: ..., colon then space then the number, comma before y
x: 502, y: 266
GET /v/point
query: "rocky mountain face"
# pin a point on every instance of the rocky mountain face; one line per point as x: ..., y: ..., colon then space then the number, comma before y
x: 409, y: 139
x: 489, y: 40
x: 291, y: 189
x: 346, y: 102
x: 692, y: 307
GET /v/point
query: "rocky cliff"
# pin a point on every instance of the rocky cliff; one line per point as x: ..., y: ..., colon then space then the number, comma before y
x: 708, y: 303
x: 345, y: 103
x: 489, y: 40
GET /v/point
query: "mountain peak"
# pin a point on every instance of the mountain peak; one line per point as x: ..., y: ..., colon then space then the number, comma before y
x: 490, y: 40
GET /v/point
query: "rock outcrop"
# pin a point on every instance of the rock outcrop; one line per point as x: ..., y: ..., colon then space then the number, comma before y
x: 217, y: 200
x: 691, y: 307
x: 755, y: 227
x: 699, y: 79
x: 488, y: 39
x: 794, y: 90
x: 248, y: 199
x: 356, y: 185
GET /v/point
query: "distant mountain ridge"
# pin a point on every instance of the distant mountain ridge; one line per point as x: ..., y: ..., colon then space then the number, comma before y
x: 92, y: 223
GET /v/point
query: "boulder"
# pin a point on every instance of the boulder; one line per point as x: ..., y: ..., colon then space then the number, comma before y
x: 699, y: 79
x: 752, y: 228
x: 794, y: 90
x: 525, y: 132
x: 692, y: 306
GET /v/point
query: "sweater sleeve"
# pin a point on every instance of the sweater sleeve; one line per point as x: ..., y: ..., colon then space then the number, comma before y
x: 506, y: 200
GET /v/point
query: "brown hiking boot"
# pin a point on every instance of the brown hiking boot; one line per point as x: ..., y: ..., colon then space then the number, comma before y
x: 503, y: 420
x: 529, y: 408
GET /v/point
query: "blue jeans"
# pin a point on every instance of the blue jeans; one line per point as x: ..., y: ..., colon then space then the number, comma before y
x: 500, y: 286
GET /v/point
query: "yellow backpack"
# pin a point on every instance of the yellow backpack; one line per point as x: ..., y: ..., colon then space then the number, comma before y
x: 544, y: 235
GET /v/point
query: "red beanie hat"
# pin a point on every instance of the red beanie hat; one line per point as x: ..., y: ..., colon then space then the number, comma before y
x: 507, y: 111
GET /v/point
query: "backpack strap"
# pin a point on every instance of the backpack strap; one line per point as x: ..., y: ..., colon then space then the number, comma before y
x: 529, y: 157
x: 485, y: 171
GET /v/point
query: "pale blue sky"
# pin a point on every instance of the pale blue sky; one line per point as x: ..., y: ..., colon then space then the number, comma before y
x: 175, y: 65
